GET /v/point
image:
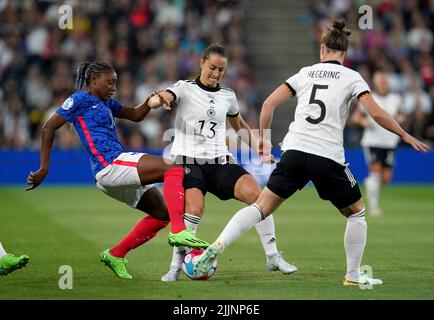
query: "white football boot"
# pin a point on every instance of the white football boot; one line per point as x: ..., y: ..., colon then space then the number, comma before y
x: 362, y: 280
x: 172, y: 275
x: 276, y: 262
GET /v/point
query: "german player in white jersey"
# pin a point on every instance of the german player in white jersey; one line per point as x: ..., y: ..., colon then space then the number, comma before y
x: 313, y: 150
x: 202, y: 107
x: 378, y: 143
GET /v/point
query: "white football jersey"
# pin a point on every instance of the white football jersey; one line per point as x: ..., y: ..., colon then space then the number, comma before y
x: 324, y: 92
x: 200, y: 123
x: 375, y: 135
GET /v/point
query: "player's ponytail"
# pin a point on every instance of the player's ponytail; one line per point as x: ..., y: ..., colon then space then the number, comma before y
x: 85, y: 71
x: 80, y: 80
x: 336, y: 38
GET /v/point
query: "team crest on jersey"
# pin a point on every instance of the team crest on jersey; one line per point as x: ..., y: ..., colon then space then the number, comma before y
x: 186, y: 170
x: 211, y: 113
x: 68, y: 104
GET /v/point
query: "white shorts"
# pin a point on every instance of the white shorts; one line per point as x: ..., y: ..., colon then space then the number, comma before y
x: 120, y: 179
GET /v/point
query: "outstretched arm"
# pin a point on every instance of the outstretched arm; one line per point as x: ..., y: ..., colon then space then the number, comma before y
x: 47, y: 136
x: 138, y: 113
x: 281, y: 95
x: 161, y: 99
x: 358, y: 118
x: 135, y: 114
x: 276, y: 98
x: 387, y: 122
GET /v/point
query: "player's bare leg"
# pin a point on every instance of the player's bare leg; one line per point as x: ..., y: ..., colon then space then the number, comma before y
x: 248, y: 191
x: 386, y: 175
x: 240, y: 223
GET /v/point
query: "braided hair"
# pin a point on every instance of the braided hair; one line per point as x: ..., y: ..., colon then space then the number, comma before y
x: 85, y: 71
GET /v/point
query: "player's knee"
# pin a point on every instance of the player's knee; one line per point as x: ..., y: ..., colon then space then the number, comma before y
x: 249, y: 193
x: 161, y: 213
x: 253, y: 195
x: 354, y: 208
x: 195, y: 210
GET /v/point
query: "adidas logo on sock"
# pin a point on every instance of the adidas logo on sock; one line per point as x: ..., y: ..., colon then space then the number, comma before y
x: 272, y: 240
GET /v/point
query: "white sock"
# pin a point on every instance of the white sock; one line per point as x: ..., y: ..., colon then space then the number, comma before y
x: 241, y: 222
x: 2, y: 251
x: 190, y: 221
x: 373, y: 184
x: 267, y: 233
x: 355, y: 241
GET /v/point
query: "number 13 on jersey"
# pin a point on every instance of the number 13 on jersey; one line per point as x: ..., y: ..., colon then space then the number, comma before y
x: 207, y: 127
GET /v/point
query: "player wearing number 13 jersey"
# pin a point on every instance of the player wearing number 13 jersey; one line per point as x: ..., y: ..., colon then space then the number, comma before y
x: 200, y: 122
x: 313, y: 150
x: 202, y: 107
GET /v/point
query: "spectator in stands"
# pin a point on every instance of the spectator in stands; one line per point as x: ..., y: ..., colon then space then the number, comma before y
x: 35, y: 52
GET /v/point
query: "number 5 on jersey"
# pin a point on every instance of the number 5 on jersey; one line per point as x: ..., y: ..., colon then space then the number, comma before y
x: 318, y: 102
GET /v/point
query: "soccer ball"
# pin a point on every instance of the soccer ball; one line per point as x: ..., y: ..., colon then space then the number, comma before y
x: 190, y: 261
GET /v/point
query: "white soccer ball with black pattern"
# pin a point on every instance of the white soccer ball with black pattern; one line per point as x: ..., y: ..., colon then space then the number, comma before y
x: 189, y: 262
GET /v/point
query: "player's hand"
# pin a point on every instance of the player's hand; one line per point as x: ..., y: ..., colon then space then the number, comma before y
x: 416, y: 144
x: 268, y: 158
x: 366, y: 123
x: 157, y: 100
x: 35, y: 178
x: 264, y: 151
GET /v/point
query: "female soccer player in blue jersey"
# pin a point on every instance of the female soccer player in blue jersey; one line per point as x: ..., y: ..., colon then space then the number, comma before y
x: 125, y: 176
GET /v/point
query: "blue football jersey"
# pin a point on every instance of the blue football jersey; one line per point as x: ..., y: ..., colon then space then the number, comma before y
x: 93, y: 120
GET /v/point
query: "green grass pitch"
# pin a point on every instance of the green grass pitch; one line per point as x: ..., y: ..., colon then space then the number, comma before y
x: 71, y: 225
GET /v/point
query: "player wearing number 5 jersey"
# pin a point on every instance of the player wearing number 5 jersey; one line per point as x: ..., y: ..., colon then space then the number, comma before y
x: 313, y: 150
x: 202, y: 107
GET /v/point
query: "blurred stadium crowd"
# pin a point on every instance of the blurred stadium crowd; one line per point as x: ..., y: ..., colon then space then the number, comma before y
x: 400, y: 42
x: 152, y: 44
